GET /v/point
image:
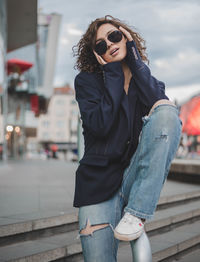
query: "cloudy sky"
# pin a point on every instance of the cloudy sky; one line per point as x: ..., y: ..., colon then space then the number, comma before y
x: 171, y: 30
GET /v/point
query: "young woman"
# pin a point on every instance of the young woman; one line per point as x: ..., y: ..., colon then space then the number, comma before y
x: 131, y: 134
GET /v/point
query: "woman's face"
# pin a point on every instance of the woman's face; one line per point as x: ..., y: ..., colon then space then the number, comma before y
x: 115, y: 51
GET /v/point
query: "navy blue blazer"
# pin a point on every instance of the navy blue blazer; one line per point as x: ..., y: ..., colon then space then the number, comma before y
x: 111, y: 121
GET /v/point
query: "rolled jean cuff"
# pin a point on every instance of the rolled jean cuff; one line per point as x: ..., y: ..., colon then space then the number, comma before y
x: 138, y: 213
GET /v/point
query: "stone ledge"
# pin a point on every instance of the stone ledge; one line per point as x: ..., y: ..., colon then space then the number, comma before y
x: 50, y: 222
x: 75, y: 249
x: 44, y: 256
x: 43, y: 223
x: 185, y: 166
x: 180, y: 197
x: 173, y: 250
x: 157, y: 224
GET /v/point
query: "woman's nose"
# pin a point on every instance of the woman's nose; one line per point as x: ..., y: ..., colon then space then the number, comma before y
x: 108, y: 43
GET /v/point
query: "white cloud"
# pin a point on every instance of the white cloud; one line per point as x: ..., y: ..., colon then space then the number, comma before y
x: 72, y: 29
x: 64, y: 41
x: 170, y: 39
x: 59, y: 81
x: 69, y: 34
x: 181, y: 67
x: 182, y: 93
x: 184, y: 15
x: 170, y: 28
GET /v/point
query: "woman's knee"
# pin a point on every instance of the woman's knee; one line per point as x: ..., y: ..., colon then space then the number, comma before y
x: 98, y: 243
x: 89, y: 229
x: 161, y: 102
x: 166, y: 115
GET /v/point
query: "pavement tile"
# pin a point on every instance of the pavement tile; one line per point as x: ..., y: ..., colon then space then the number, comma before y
x: 177, y: 235
x: 62, y: 239
x: 9, y: 220
x: 40, y: 214
x: 36, y: 187
x: 124, y: 253
x: 36, y: 190
x: 54, y: 221
x: 188, y: 243
x: 17, y: 228
x: 193, y: 227
x: 26, y: 249
x: 192, y: 257
x: 176, y: 210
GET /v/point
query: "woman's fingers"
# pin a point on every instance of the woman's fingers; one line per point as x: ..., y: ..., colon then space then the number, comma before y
x: 99, y: 59
x: 126, y: 33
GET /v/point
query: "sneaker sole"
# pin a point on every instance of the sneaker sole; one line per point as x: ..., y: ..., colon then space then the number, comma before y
x: 129, y: 237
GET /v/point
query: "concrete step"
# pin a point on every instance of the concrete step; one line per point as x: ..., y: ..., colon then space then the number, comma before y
x: 193, y: 256
x: 62, y: 245
x: 185, y: 170
x: 170, y: 246
x: 167, y: 219
x: 31, y: 229
x: 37, y: 228
x: 44, y: 249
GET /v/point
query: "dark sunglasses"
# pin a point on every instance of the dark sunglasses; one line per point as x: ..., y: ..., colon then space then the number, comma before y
x: 114, y: 37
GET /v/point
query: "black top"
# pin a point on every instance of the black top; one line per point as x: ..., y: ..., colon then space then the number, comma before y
x: 112, y: 122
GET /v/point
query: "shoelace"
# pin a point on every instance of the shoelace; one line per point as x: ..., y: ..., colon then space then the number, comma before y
x: 130, y: 219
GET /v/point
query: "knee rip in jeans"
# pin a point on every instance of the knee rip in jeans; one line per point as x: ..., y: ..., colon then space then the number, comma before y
x: 89, y: 229
x: 162, y: 136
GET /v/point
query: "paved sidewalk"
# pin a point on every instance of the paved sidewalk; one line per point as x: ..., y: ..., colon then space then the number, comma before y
x: 41, y: 188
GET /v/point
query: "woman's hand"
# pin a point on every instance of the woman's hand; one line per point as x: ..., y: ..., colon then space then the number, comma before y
x: 99, y: 59
x: 126, y: 33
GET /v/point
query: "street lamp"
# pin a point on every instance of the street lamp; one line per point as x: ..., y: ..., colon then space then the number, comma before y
x: 9, y: 128
x: 17, y: 129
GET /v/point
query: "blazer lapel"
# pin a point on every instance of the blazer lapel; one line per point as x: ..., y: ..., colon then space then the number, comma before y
x: 125, y: 107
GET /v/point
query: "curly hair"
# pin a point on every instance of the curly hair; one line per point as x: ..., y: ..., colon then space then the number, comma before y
x: 86, y: 60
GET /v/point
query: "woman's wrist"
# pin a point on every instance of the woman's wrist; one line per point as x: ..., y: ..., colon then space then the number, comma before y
x: 132, y: 52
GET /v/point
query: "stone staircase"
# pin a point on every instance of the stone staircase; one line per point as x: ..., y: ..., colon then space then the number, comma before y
x: 174, y: 232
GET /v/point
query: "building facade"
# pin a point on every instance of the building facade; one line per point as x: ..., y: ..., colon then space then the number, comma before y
x: 25, y: 94
x: 3, y: 91
x: 48, y: 32
x: 59, y: 125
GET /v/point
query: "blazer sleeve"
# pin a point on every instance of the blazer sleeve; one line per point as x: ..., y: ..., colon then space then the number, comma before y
x: 99, y: 106
x: 149, y: 88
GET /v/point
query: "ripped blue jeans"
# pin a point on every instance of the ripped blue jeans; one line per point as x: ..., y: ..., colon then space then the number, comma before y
x: 140, y: 190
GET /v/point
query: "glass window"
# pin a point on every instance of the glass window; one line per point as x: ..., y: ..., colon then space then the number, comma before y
x: 60, y: 124
x: 45, y: 123
x: 60, y: 102
x: 45, y: 135
x: 60, y: 112
x: 59, y: 134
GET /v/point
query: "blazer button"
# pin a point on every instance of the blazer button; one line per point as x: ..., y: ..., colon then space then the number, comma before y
x: 128, y: 142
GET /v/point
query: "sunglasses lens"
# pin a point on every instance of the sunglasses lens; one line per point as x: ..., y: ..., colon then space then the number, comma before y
x: 115, y: 36
x: 101, y: 47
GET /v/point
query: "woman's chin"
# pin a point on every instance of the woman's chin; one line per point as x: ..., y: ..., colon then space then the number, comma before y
x: 114, y: 59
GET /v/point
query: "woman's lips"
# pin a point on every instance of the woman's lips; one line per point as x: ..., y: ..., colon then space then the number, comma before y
x: 114, y: 52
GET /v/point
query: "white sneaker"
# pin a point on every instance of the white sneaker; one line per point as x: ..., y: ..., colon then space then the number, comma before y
x: 129, y: 228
